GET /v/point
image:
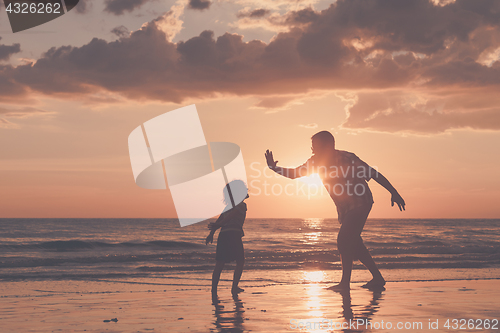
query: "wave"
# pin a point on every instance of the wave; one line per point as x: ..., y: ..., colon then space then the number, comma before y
x: 193, y: 259
x: 385, y: 244
x: 197, y: 272
x: 75, y: 245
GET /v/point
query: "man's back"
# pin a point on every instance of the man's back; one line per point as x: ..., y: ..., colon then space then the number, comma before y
x: 344, y: 176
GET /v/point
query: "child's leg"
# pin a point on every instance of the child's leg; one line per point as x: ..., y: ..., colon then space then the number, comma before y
x: 219, y: 266
x: 237, y: 275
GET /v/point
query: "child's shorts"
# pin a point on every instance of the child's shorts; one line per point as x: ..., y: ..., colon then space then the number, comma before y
x: 229, y: 246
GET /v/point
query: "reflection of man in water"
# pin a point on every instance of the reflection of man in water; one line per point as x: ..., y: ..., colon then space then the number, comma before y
x: 345, y: 178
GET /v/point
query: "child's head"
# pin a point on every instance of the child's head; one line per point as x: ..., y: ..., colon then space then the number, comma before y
x: 235, y: 192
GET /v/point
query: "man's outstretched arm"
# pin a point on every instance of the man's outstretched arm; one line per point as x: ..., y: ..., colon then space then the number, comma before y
x: 289, y: 173
x: 395, y: 196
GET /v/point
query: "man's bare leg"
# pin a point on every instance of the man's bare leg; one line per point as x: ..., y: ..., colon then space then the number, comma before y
x: 366, y: 259
x: 345, y: 281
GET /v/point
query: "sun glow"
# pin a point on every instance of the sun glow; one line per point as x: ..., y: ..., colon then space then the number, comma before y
x: 314, y: 276
x: 314, y: 302
x: 312, y: 180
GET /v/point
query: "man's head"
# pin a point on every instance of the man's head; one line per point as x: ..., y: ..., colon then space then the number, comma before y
x: 322, y: 142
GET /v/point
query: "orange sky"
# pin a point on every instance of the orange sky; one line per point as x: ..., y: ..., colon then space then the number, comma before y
x: 418, y: 101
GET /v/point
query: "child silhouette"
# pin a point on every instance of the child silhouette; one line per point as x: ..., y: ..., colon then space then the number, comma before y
x: 229, y: 243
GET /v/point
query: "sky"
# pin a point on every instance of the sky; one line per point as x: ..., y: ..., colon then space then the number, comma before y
x: 410, y: 87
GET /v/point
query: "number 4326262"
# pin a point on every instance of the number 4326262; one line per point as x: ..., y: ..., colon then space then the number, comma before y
x: 34, y: 8
x: 464, y: 324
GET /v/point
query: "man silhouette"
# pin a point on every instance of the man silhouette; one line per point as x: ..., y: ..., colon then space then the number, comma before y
x: 345, y: 178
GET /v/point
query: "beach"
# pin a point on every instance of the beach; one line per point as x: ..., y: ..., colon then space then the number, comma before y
x: 307, y: 307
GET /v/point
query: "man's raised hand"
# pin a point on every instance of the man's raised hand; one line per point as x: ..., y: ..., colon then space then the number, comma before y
x: 270, y: 159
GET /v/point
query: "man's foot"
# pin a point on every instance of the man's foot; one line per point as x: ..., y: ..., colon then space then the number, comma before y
x: 237, y: 290
x: 375, y: 284
x: 340, y: 287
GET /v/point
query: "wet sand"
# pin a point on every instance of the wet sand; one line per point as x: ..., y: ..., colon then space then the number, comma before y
x: 82, y: 306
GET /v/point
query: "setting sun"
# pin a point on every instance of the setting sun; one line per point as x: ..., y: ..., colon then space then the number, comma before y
x: 312, y: 180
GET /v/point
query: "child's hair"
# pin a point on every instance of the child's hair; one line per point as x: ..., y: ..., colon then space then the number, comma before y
x: 234, y: 189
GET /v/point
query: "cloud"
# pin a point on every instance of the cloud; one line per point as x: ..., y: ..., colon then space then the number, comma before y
x: 120, y: 31
x: 7, y: 50
x: 119, y: 7
x: 309, y: 126
x: 256, y: 13
x: 284, y: 5
x: 274, y: 102
x: 10, y: 89
x: 22, y: 112
x: 199, y: 4
x: 277, y: 103
x: 83, y: 6
x: 274, y: 21
x: 413, y: 47
x: 399, y: 111
x: 4, y: 123
x: 170, y: 22
x: 442, y: 2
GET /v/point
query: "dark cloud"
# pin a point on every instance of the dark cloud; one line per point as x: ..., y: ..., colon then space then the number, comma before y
x: 352, y: 45
x: 303, y: 16
x: 10, y: 89
x: 120, y: 31
x: 83, y: 6
x: 118, y: 7
x: 256, y: 13
x: 7, y: 50
x: 416, y: 25
x: 466, y: 72
x: 199, y: 4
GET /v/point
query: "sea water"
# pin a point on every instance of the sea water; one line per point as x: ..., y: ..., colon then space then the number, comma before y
x: 277, y: 251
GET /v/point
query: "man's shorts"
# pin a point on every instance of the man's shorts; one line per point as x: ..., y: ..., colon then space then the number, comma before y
x: 354, y: 219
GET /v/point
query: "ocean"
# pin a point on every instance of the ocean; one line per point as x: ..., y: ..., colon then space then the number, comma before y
x: 276, y: 250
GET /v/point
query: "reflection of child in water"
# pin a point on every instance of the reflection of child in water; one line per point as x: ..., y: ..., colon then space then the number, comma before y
x: 229, y: 244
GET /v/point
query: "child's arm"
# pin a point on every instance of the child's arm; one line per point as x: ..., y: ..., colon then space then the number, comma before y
x: 213, y: 226
x: 210, y: 237
x: 223, y: 218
